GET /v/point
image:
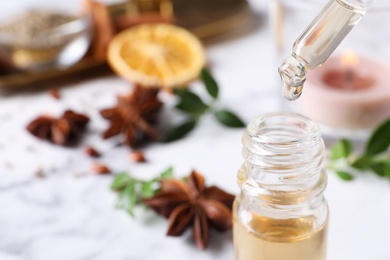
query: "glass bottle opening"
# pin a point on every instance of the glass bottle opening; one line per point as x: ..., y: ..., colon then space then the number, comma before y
x: 284, y: 153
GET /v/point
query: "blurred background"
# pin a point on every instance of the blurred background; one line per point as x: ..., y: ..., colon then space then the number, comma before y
x: 56, y: 168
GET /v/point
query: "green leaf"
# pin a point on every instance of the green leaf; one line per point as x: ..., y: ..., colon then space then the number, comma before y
x: 210, y: 83
x: 388, y: 175
x: 362, y: 162
x: 131, y: 190
x: 379, y: 140
x: 121, y: 181
x: 167, y: 174
x: 342, y: 149
x: 381, y: 169
x: 127, y: 198
x: 190, y: 102
x: 229, y: 119
x: 147, y: 189
x: 345, y: 175
x: 179, y: 131
x: 130, y: 198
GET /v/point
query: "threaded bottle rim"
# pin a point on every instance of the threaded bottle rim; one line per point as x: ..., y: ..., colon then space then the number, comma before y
x: 283, y: 152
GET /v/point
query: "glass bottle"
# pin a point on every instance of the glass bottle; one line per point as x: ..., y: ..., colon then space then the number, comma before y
x: 318, y: 41
x: 281, y: 213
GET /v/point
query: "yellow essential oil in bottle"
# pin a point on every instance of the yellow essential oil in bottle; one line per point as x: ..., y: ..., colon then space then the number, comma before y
x: 281, y: 213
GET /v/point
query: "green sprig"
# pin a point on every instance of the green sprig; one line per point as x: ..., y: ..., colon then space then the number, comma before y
x: 194, y: 107
x: 375, y: 156
x: 131, y: 190
x: 210, y: 83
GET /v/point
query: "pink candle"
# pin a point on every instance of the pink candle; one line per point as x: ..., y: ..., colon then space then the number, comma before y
x: 347, y: 94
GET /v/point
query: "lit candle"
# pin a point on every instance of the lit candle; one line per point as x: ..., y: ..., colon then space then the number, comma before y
x: 348, y: 92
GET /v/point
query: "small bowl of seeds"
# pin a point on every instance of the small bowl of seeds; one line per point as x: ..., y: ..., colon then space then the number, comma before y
x: 38, y: 37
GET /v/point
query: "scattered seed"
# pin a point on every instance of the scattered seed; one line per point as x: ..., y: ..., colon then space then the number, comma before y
x: 137, y: 156
x: 55, y: 93
x: 40, y: 173
x: 100, y: 168
x: 92, y: 152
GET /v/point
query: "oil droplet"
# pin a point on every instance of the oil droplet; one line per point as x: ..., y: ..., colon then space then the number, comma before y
x: 291, y: 93
x: 293, y: 75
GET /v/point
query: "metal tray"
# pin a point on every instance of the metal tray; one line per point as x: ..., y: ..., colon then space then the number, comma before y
x: 204, y: 18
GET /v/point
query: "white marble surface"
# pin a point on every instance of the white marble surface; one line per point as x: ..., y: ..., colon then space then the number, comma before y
x: 70, y: 214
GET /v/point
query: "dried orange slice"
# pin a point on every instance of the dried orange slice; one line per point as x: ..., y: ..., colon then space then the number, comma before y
x: 156, y: 55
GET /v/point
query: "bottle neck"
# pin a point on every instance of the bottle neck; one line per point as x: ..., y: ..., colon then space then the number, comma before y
x: 283, y: 167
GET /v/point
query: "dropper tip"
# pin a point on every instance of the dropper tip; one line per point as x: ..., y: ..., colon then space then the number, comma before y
x: 293, y: 76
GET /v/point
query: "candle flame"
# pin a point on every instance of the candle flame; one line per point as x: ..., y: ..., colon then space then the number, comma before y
x: 349, y: 59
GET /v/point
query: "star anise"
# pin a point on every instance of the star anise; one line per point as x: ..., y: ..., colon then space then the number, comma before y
x: 134, y: 116
x: 191, y: 203
x: 63, y: 130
